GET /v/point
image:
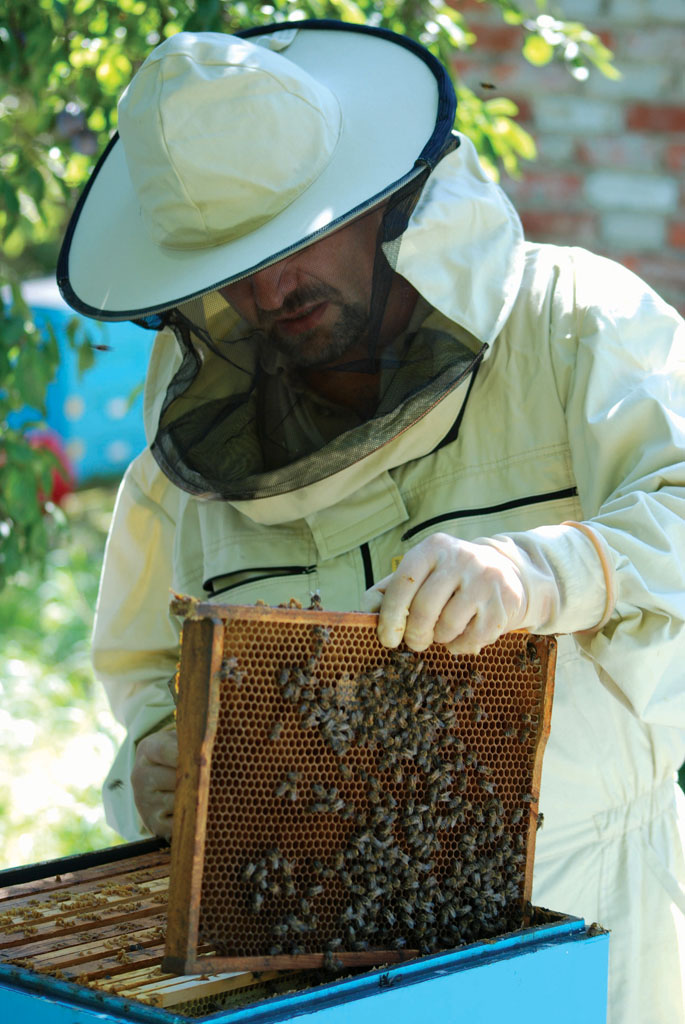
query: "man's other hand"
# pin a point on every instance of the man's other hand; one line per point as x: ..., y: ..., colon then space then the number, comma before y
x: 448, y: 591
x: 154, y: 780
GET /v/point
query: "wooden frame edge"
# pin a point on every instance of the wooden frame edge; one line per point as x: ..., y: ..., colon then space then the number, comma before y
x: 198, y: 706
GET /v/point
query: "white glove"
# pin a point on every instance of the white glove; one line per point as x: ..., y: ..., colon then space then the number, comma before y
x: 154, y: 780
x: 466, y: 594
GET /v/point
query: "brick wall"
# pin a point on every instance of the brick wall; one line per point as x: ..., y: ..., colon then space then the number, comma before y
x: 610, y: 173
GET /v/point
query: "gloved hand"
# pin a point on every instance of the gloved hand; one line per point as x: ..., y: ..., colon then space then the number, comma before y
x: 154, y: 780
x: 466, y: 594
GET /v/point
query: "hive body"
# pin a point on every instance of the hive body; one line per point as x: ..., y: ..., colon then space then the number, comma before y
x: 339, y: 802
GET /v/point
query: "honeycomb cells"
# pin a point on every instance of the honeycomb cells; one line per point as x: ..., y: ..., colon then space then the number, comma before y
x: 361, y: 798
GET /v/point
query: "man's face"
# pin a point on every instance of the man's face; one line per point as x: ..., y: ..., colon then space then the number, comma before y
x: 313, y: 306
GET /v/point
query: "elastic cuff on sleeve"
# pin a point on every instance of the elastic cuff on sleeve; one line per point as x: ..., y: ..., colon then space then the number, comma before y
x: 564, y: 577
x: 605, y: 562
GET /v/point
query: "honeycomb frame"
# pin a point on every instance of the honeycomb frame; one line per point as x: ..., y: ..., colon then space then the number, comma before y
x: 286, y: 815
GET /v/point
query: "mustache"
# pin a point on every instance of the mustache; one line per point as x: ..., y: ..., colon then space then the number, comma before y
x: 296, y: 300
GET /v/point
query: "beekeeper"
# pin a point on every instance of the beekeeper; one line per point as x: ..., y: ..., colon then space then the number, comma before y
x: 367, y: 383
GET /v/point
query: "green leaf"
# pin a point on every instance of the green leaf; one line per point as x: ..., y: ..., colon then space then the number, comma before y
x: 537, y: 50
x: 20, y: 492
x: 11, y: 331
x: 34, y: 183
x: 10, y: 551
x: 72, y: 328
x: 86, y: 357
x: 608, y: 69
x: 513, y: 17
x: 522, y: 141
x: 32, y: 374
x: 134, y: 395
x: 51, y: 343
x: 10, y: 201
x: 18, y: 452
x: 500, y: 106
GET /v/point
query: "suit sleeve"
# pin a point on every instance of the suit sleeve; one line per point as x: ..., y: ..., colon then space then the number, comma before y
x: 619, y: 359
x: 135, y: 638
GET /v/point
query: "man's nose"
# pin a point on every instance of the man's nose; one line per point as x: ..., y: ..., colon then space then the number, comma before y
x: 271, y: 285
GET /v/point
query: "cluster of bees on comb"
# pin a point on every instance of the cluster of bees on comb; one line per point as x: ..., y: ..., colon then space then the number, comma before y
x: 432, y: 858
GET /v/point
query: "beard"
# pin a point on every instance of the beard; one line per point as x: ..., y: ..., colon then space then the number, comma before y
x: 345, y: 328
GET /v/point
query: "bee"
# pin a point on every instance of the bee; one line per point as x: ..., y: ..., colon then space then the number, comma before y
x: 330, y: 962
x: 273, y: 856
x: 477, y: 713
x: 260, y: 873
x: 248, y: 872
x: 288, y: 786
x: 276, y: 731
x: 464, y: 691
x: 540, y: 822
x: 296, y: 925
x: 524, y: 735
x: 228, y: 671
x: 286, y: 868
x: 257, y: 900
x: 284, y: 677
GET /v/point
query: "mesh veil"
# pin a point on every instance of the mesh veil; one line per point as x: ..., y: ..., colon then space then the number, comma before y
x: 239, y: 423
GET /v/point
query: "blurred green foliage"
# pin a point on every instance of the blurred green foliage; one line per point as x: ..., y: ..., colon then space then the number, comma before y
x: 57, y: 735
x: 63, y: 66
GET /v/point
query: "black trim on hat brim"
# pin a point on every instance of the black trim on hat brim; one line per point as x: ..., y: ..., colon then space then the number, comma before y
x: 440, y: 142
x: 67, y: 292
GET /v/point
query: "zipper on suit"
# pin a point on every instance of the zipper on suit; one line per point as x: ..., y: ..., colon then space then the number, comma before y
x: 368, y: 566
x: 465, y: 513
x: 261, y: 573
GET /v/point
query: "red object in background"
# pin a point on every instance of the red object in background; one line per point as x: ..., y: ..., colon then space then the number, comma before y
x: 64, y: 478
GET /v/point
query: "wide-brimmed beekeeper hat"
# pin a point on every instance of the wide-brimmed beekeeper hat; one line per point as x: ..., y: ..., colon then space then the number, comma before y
x: 235, y: 151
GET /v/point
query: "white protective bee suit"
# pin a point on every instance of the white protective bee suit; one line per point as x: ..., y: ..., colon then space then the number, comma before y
x: 577, y: 413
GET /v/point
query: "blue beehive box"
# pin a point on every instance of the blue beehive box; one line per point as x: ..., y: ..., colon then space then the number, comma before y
x: 554, y: 970
x: 96, y: 414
